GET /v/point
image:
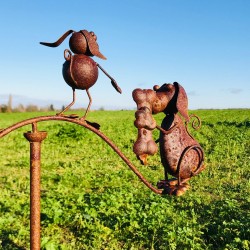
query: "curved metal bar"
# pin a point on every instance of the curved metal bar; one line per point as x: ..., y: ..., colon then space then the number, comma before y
x: 194, y: 126
x: 166, y: 132
x: 200, y: 152
x: 87, y: 126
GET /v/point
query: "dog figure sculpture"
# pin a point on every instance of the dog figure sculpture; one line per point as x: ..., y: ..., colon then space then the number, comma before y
x: 181, y: 155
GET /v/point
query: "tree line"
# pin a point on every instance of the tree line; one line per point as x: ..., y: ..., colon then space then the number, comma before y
x: 8, y: 108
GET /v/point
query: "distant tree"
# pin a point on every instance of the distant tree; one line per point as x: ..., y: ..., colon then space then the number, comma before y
x: 31, y: 108
x: 9, y: 106
x: 44, y: 109
x: 19, y: 108
x: 3, y: 108
x: 51, y: 107
x: 63, y: 107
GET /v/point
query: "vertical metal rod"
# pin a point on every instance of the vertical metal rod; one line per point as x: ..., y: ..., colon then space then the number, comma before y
x: 35, y: 138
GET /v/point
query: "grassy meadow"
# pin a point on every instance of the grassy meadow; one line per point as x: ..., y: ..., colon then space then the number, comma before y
x: 90, y: 198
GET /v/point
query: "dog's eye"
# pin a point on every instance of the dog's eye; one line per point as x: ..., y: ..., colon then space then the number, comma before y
x: 156, y: 87
x: 93, y: 34
x: 169, y: 86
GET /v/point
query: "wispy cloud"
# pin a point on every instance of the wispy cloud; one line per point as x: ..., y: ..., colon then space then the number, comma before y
x: 235, y: 91
x: 142, y: 84
x: 192, y: 93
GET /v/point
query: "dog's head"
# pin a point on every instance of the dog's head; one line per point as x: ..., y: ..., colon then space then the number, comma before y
x: 169, y: 98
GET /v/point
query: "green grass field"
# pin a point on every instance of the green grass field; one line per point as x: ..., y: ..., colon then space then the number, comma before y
x: 91, y: 200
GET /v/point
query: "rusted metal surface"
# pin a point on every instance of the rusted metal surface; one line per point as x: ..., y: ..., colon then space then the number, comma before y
x: 90, y: 126
x: 80, y: 71
x: 35, y: 138
x: 181, y: 155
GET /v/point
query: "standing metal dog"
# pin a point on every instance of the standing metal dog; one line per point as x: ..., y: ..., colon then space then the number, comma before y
x: 181, y: 155
x: 80, y: 71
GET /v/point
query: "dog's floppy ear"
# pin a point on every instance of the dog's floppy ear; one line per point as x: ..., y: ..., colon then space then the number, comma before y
x: 182, y: 101
x: 59, y: 41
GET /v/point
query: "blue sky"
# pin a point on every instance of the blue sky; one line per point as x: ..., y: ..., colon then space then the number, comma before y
x: 203, y: 45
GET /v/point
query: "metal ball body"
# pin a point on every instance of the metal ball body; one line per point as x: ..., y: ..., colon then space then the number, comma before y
x: 80, y: 72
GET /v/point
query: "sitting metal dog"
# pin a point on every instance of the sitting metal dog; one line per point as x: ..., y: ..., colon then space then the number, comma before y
x: 181, y: 155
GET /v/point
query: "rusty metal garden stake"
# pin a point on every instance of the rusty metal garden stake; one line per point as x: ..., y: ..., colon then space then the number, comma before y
x: 35, y: 138
x: 181, y: 155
